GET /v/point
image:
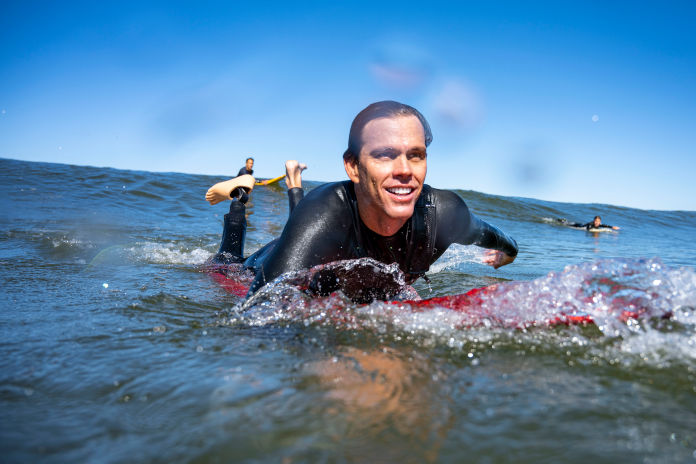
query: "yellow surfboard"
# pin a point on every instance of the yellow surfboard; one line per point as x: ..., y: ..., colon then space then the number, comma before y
x: 269, y: 181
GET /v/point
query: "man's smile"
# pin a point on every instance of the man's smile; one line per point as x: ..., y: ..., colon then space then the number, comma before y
x: 400, y: 190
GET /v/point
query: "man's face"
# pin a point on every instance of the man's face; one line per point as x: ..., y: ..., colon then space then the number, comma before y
x: 390, y: 172
x: 597, y: 222
x: 249, y: 164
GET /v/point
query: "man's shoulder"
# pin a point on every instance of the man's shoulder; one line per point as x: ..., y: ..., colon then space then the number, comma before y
x: 328, y: 199
x: 430, y: 190
x: 441, y: 197
x: 331, y: 203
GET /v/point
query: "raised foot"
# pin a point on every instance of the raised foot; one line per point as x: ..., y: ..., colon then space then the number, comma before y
x: 222, y: 190
x: 293, y: 173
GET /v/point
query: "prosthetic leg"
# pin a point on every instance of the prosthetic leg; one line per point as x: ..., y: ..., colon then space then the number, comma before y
x: 234, y: 229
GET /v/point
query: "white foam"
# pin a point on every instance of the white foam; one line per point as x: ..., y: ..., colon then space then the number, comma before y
x: 518, y: 312
x: 71, y: 242
x: 168, y: 253
x: 455, y: 255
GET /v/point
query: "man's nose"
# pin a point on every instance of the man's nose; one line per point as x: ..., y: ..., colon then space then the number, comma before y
x: 402, y: 167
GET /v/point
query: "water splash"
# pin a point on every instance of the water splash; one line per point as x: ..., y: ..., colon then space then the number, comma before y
x: 152, y: 253
x: 455, y: 255
x: 643, y: 311
x: 169, y: 253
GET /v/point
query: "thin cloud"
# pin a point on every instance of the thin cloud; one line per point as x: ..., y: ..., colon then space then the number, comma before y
x: 457, y: 103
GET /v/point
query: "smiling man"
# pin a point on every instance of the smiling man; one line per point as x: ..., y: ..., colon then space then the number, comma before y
x: 385, y: 211
x: 388, y: 170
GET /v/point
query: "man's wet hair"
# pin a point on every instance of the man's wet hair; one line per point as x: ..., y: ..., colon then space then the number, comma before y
x: 249, y: 158
x: 382, y: 109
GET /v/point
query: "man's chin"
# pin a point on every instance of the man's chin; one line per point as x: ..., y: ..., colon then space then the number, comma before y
x: 402, y: 213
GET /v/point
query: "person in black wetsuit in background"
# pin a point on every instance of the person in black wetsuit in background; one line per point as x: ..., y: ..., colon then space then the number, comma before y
x: 385, y: 211
x: 595, y: 224
x: 248, y: 168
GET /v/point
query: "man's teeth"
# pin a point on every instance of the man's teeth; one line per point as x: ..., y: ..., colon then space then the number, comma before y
x: 400, y: 190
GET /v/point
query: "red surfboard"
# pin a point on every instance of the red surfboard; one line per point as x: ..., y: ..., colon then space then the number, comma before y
x: 363, y: 281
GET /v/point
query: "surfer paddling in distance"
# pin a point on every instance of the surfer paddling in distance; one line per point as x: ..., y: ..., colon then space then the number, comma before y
x: 595, y: 224
x: 385, y: 211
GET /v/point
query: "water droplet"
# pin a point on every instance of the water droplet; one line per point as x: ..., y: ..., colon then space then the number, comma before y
x: 595, y: 118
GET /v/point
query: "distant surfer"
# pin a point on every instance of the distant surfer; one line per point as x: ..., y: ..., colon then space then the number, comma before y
x: 384, y: 211
x: 248, y: 168
x: 596, y: 224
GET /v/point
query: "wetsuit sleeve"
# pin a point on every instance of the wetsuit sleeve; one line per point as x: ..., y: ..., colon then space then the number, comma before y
x: 318, y: 231
x: 295, y: 195
x: 457, y: 224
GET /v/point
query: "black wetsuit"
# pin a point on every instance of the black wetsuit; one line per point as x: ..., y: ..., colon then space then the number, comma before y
x: 325, y: 227
x: 244, y: 170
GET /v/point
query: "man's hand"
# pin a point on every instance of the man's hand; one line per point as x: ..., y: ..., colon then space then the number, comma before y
x: 497, y: 258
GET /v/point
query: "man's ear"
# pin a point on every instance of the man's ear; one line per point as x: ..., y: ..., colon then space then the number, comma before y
x: 351, y: 166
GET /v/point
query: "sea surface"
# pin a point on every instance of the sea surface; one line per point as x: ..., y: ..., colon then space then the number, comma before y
x: 117, y: 344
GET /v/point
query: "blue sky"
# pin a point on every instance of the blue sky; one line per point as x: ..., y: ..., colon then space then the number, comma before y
x: 564, y: 101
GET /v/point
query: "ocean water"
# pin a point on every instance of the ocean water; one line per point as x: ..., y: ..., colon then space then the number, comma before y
x: 116, y: 345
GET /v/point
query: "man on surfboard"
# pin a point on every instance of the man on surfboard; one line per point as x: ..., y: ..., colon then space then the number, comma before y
x: 385, y: 211
x: 595, y: 224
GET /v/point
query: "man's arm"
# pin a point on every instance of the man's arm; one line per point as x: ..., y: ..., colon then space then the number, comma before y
x: 457, y: 224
